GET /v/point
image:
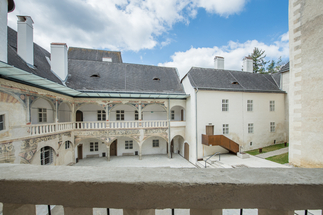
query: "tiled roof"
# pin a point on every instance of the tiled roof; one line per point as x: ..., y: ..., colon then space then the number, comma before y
x: 87, y: 75
x: 41, y: 65
x: 228, y: 80
x: 284, y: 68
x: 93, y: 54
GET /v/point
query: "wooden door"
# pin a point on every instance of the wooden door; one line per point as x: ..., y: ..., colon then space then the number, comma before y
x: 186, y: 151
x: 182, y: 115
x: 113, y: 148
x: 172, y: 147
x: 80, y: 151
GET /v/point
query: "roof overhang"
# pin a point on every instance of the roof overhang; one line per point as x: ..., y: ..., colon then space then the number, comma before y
x: 12, y: 73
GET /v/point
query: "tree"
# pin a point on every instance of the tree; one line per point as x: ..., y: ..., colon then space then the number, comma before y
x: 259, y: 63
x: 273, y: 66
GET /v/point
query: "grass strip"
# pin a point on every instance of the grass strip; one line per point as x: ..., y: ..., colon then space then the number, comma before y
x: 267, y: 149
x: 282, y: 159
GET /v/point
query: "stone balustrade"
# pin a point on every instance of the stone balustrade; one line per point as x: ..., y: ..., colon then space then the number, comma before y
x: 142, y: 190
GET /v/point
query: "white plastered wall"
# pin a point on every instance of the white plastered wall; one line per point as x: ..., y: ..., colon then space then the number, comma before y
x: 154, y: 112
x: 121, y: 146
x: 129, y: 112
x: 148, y: 149
x: 64, y: 113
x: 90, y: 112
x: 86, y: 147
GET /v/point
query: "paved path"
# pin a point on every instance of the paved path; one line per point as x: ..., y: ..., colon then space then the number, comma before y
x: 273, y: 153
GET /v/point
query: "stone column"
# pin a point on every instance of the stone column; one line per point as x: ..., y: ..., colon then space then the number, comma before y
x: 140, y: 155
x: 108, y: 155
x: 138, y: 212
x: 78, y: 211
x: 107, y: 114
x: 28, y: 114
x: 17, y: 209
x: 274, y: 212
x: 139, y: 112
x: 205, y: 212
x: 56, y: 112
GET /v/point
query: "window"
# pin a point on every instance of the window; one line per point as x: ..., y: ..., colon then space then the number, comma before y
x: 128, y: 144
x: 94, y: 147
x: 120, y: 115
x: 272, y: 105
x: 2, y: 122
x: 42, y: 115
x: 272, y: 127
x: 250, y: 105
x: 250, y: 128
x: 136, y: 115
x: 67, y: 144
x: 101, y: 115
x: 225, y: 128
x: 250, y: 143
x: 155, y: 143
x: 46, y: 155
x: 172, y: 114
x: 225, y: 104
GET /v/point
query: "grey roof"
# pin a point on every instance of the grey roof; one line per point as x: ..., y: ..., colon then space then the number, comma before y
x: 276, y: 77
x: 93, y: 54
x: 284, y: 68
x: 122, y: 77
x: 228, y: 80
x: 41, y: 65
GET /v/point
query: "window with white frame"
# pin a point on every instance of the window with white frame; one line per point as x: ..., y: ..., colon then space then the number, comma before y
x: 225, y: 128
x: 225, y: 104
x: 94, y: 146
x: 172, y: 114
x: 42, y: 115
x: 120, y: 115
x: 46, y: 155
x: 250, y: 128
x: 136, y: 115
x: 2, y: 122
x: 128, y: 144
x: 155, y: 143
x: 102, y: 115
x: 250, y: 105
x: 272, y: 105
x: 67, y: 144
x: 272, y: 127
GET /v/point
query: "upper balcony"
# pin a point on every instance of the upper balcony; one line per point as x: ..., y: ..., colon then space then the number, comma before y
x: 142, y: 190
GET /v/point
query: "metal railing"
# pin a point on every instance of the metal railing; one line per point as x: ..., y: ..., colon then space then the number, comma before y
x: 216, y: 153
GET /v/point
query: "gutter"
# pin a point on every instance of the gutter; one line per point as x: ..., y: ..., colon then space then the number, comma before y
x: 197, y: 90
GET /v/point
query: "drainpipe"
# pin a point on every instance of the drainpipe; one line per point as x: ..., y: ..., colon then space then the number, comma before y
x: 197, y: 90
x: 169, y: 140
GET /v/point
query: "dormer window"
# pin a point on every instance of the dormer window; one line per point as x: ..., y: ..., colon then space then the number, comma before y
x: 107, y: 59
x: 95, y: 76
x: 156, y: 79
x: 235, y: 82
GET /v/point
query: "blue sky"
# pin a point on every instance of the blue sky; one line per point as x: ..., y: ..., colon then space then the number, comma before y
x: 176, y: 33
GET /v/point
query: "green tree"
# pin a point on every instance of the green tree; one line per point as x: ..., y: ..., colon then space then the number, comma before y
x: 259, y: 63
x: 274, y: 66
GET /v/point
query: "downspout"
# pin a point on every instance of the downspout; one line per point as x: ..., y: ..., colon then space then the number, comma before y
x: 197, y: 90
x: 169, y: 140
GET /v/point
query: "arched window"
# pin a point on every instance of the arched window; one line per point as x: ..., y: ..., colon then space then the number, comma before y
x: 68, y: 144
x: 46, y: 155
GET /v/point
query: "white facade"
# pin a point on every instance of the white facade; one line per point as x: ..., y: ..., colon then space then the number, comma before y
x: 25, y: 40
x: 59, y: 61
x: 3, y: 31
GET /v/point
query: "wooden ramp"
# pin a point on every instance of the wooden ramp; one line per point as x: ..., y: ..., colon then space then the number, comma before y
x: 220, y: 140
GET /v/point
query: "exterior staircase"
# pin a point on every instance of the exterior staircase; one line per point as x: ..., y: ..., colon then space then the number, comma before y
x: 220, y: 140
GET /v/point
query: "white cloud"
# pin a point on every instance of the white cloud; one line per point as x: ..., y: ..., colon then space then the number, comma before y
x: 285, y: 37
x: 113, y: 24
x: 233, y: 54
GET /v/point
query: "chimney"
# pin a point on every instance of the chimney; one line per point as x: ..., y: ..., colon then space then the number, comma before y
x: 25, y: 41
x: 5, y: 8
x: 218, y: 62
x: 248, y: 64
x: 59, y: 61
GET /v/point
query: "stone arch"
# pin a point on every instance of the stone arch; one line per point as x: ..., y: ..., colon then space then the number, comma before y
x: 87, y: 103
x: 62, y: 115
x: 178, y: 144
x: 150, y: 115
x: 129, y: 111
x: 89, y: 111
x: 179, y: 113
x: 47, y: 155
x: 34, y: 112
x: 85, y: 142
x: 148, y: 145
x: 10, y: 97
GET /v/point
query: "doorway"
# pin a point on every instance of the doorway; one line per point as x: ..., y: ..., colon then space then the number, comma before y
x: 113, y: 148
x: 79, y: 118
x: 80, y: 151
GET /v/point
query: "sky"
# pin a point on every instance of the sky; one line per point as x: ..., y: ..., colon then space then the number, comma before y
x: 172, y: 33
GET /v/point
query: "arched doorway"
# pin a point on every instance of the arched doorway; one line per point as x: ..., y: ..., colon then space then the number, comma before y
x: 113, y: 148
x: 177, y: 113
x: 79, y: 118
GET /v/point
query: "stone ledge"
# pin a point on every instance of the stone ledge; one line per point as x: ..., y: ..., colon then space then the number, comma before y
x: 159, y: 188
